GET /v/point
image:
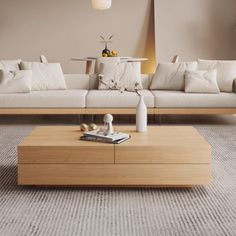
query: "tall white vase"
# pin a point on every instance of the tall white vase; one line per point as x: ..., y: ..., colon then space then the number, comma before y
x: 141, y: 116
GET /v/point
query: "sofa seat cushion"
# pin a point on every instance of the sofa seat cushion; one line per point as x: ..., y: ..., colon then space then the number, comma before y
x: 179, y: 99
x: 45, y: 99
x: 116, y: 99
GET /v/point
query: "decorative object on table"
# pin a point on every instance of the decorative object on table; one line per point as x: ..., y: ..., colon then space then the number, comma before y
x: 101, y: 136
x: 101, y: 4
x: 141, y: 115
x: 120, y: 76
x: 92, y: 126
x: 105, y: 134
x: 106, y: 52
x: 108, y: 128
x: 84, y: 127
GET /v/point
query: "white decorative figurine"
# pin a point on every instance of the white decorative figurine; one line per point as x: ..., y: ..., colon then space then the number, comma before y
x: 108, y: 118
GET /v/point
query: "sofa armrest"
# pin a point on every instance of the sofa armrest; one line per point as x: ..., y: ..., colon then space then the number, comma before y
x: 234, y: 86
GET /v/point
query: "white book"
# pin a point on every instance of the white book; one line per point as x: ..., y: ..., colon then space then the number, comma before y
x: 111, y: 137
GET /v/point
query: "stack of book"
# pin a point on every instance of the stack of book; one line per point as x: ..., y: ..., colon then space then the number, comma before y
x: 98, y: 136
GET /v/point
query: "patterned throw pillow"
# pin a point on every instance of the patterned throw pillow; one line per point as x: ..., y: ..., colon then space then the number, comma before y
x: 201, y: 81
x: 122, y: 76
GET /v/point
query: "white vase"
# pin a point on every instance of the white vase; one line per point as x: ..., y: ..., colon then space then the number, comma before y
x: 141, y: 116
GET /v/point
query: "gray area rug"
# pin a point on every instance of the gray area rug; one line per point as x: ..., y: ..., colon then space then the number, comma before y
x: 199, y: 211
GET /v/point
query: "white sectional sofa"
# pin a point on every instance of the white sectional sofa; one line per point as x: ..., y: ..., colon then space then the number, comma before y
x: 82, y: 97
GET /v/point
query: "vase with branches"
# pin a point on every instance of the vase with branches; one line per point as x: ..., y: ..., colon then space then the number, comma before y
x: 106, y: 52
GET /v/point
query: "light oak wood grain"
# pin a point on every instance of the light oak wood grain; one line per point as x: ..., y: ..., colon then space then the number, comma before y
x: 165, y: 155
x: 116, y: 111
x: 61, y: 144
x: 66, y: 154
x: 163, y: 144
x: 42, y: 111
x: 114, y: 174
x: 195, y: 111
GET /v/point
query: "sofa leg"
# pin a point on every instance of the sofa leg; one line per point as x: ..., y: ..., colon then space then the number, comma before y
x: 159, y: 119
x: 154, y: 119
x: 92, y: 118
x: 79, y: 119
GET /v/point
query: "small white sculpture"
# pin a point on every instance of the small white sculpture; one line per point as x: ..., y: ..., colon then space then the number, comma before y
x: 108, y: 118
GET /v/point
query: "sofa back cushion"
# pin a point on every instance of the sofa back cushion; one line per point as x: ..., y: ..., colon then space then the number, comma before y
x: 226, y: 72
x: 201, y: 81
x: 45, y: 76
x: 170, y: 76
x: 77, y: 81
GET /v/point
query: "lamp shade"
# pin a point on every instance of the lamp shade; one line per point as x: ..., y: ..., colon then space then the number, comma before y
x: 101, y: 4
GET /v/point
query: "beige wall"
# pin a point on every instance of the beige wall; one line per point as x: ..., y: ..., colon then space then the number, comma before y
x: 62, y: 29
x: 195, y: 29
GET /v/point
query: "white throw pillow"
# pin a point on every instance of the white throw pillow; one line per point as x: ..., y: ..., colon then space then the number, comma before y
x: 105, y: 60
x: 15, y: 82
x: 10, y: 65
x: 201, y: 81
x: 170, y: 76
x: 226, y: 72
x: 122, y: 76
x: 45, y: 76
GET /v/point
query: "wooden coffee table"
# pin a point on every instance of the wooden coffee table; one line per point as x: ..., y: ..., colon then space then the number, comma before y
x: 164, y: 156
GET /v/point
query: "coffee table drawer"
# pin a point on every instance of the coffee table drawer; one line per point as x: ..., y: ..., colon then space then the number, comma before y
x: 162, y: 155
x: 69, y: 155
x: 114, y: 175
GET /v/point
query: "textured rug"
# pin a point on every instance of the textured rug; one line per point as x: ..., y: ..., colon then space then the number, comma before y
x: 204, y: 211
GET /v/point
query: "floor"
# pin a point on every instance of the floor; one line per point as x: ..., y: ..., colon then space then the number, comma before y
x: 208, y: 211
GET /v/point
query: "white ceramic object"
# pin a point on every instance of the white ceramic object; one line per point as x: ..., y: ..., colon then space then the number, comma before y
x: 108, y: 118
x: 141, y: 116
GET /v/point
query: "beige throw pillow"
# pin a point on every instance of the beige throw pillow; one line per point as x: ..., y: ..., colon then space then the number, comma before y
x: 170, y: 76
x: 121, y: 76
x: 45, y: 76
x: 105, y: 60
x: 226, y: 72
x: 10, y: 65
x: 201, y: 81
x: 15, y: 82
